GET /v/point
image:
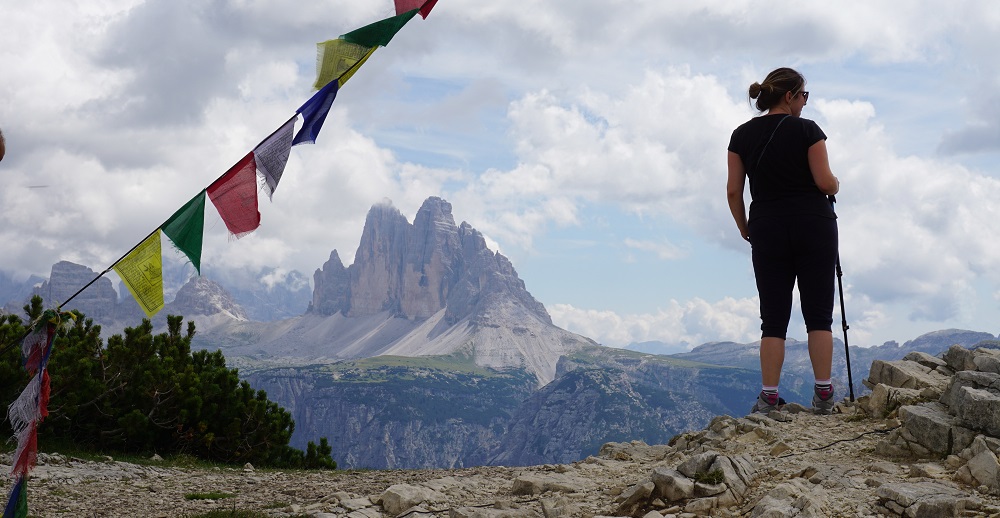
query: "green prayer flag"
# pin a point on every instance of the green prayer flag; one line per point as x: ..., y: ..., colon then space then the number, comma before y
x: 380, y: 32
x: 186, y: 229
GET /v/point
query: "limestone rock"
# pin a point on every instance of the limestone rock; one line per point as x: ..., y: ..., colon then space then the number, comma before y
x: 885, y: 399
x: 672, y: 484
x: 931, y: 426
x: 931, y: 362
x: 906, y: 374
x: 536, y: 484
x: 974, y: 398
x: 925, y: 499
x: 635, y: 496
x: 985, y: 469
x: 399, y: 497
x: 986, y: 360
x: 793, y: 498
x: 959, y: 358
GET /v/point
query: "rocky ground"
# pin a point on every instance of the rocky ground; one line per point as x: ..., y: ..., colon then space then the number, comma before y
x: 789, y: 463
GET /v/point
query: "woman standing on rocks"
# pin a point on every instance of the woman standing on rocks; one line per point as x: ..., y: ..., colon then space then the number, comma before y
x: 791, y: 228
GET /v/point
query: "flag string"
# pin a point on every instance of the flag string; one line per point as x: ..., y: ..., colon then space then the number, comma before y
x: 31, y: 406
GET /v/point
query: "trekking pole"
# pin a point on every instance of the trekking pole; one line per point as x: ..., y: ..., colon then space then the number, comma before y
x: 843, y: 315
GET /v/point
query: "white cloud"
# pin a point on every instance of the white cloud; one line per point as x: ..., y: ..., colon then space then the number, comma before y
x: 693, y: 322
x: 570, y: 105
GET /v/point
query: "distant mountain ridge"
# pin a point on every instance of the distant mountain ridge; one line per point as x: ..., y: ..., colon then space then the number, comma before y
x: 797, y: 376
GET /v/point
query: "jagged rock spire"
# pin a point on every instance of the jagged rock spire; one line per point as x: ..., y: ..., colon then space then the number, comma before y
x: 415, y: 270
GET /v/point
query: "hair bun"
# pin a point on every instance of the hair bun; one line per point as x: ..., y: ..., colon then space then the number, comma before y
x: 755, y: 89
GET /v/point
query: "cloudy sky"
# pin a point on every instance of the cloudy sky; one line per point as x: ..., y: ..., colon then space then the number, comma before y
x: 586, y: 139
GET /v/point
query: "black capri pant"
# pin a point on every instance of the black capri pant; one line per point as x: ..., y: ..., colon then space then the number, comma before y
x: 790, y: 248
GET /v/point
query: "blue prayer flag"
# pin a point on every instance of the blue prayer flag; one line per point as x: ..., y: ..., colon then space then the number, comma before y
x: 314, y: 113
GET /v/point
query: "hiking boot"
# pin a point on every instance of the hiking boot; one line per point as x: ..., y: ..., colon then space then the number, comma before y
x: 823, y: 401
x: 765, y: 405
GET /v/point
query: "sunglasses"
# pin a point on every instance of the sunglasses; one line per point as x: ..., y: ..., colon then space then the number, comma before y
x: 805, y: 95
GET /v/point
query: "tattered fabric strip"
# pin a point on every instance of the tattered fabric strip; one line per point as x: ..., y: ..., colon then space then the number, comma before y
x: 235, y: 197
x: 28, y: 407
x: 272, y: 155
x: 26, y: 454
x: 36, y: 346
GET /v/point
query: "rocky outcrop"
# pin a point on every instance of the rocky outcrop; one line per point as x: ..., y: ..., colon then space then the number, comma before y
x: 415, y: 271
x: 200, y: 296
x: 948, y: 407
x: 331, y: 286
x: 98, y: 301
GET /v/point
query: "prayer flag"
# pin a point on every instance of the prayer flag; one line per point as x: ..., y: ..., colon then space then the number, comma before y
x: 314, y: 113
x: 272, y: 155
x: 17, y: 504
x: 337, y: 60
x: 425, y: 6
x: 350, y: 72
x: 235, y: 197
x: 142, y: 272
x: 186, y: 229
x: 380, y: 32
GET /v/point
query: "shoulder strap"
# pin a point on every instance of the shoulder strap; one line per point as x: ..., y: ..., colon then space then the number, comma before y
x: 761, y: 155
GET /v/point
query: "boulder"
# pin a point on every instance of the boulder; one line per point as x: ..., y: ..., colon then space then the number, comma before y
x: 636, y: 495
x: 979, y: 380
x: 885, y: 399
x: 698, y: 464
x: 959, y: 358
x: 925, y: 499
x: 793, y: 498
x: 400, y: 497
x: 986, y: 360
x: 930, y: 426
x: 906, y: 374
x: 985, y: 469
x: 672, y: 484
x: 931, y: 362
x: 537, y: 484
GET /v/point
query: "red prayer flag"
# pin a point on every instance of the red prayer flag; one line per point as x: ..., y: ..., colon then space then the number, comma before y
x: 425, y: 6
x: 235, y: 197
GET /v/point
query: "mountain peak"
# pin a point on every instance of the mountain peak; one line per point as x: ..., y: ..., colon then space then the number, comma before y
x: 200, y: 296
x: 415, y: 270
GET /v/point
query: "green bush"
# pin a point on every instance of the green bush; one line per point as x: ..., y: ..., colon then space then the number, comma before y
x: 144, y: 393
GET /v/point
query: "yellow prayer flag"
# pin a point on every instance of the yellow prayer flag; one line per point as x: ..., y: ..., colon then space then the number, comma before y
x: 350, y: 72
x: 142, y: 272
x: 338, y: 60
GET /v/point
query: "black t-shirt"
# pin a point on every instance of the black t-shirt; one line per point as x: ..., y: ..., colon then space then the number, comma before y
x: 781, y: 183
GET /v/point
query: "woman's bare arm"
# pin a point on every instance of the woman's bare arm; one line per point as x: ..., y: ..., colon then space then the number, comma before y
x: 819, y: 165
x: 734, y: 193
